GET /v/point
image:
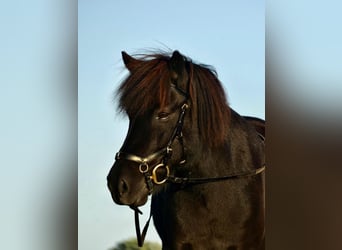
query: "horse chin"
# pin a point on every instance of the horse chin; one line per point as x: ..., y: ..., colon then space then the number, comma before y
x: 140, y: 202
x: 131, y: 202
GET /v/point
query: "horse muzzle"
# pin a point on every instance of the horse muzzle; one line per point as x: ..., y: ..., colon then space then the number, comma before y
x: 125, y: 190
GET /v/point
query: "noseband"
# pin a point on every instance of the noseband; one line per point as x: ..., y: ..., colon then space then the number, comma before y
x: 163, y: 154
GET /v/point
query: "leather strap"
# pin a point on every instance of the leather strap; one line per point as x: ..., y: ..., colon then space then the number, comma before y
x: 131, y: 157
x: 140, y: 236
x: 186, y: 180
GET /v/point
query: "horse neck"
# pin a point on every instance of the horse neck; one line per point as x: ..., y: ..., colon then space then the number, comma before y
x: 204, y: 161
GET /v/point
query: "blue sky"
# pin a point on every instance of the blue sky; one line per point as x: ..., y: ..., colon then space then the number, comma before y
x: 228, y: 35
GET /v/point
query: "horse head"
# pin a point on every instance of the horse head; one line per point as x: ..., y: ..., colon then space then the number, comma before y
x: 155, y: 98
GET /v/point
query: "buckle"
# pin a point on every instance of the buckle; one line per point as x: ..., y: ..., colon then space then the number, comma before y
x: 154, y: 176
x: 185, y: 106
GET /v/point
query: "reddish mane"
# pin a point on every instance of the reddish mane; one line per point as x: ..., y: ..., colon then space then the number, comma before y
x: 148, y: 86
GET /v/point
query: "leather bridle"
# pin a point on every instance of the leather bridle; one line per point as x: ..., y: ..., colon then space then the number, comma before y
x: 164, y: 154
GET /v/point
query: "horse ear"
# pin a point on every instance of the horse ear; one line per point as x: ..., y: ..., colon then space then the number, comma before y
x: 130, y: 62
x: 177, y: 65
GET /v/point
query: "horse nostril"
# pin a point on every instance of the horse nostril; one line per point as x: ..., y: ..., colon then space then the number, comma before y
x: 123, y: 187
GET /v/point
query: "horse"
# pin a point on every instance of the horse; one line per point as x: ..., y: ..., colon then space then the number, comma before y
x: 201, y: 161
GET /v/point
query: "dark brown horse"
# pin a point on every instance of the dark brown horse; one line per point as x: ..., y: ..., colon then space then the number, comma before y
x: 201, y: 161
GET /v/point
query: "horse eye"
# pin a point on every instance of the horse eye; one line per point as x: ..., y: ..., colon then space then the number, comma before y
x: 162, y: 116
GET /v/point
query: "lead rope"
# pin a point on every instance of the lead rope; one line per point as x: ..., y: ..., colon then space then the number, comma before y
x: 140, y: 236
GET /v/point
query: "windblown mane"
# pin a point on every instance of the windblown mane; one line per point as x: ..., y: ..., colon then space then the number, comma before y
x: 148, y: 87
x: 213, y: 113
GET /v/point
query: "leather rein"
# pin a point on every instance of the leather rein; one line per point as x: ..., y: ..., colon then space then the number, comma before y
x: 165, y: 155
